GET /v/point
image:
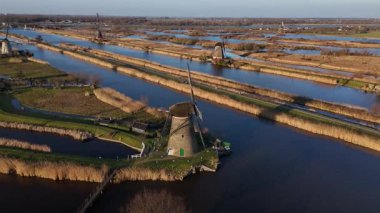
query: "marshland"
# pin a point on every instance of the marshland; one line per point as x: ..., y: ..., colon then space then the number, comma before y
x: 295, y: 120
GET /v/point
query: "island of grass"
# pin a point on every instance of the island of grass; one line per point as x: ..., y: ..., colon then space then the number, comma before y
x: 372, y: 34
x: 39, y: 95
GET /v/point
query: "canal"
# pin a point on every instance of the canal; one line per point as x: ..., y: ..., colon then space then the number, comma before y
x: 274, y: 168
x: 299, y: 87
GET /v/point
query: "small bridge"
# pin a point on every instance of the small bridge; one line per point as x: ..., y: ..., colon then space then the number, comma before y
x: 98, y: 191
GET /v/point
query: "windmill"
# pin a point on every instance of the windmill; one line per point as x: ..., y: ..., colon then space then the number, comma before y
x: 6, y: 48
x: 185, y: 131
x: 99, y: 35
x: 219, y: 52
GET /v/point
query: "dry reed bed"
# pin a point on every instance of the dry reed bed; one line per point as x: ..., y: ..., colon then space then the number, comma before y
x: 37, y: 60
x: 116, y: 99
x: 349, y: 135
x: 316, y: 64
x: 159, y: 51
x: 76, y: 134
x: 329, y: 78
x: 350, y: 111
x: 23, y: 145
x: 125, y: 103
x: 52, y: 170
x: 143, y: 174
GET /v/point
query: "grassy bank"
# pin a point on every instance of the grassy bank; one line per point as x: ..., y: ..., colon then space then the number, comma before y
x: 54, y: 166
x: 127, y: 104
x: 28, y: 70
x: 155, y: 167
x: 23, y: 145
x: 47, y: 122
x: 366, y: 84
x: 76, y: 168
x: 65, y: 100
x: 370, y: 34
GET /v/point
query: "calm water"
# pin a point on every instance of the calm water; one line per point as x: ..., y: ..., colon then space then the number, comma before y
x: 67, y: 145
x: 19, y: 194
x: 290, y: 85
x: 273, y: 168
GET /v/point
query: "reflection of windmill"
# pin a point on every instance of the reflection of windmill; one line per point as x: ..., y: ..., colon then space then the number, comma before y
x: 185, y: 130
x: 99, y: 35
x: 6, y: 48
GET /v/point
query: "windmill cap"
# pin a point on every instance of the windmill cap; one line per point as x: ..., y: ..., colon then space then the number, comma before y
x: 182, y: 109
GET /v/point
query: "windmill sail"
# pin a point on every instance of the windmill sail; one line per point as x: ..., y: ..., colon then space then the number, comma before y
x: 190, y: 84
x: 196, y: 109
x: 99, y: 33
x: 198, y: 113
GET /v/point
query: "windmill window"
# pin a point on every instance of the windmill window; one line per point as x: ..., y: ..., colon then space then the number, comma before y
x: 183, y: 136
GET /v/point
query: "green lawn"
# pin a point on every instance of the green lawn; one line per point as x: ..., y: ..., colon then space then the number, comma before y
x: 69, y: 101
x: 31, y: 156
x: 28, y: 70
x: 9, y: 114
x: 178, y: 166
x: 371, y: 34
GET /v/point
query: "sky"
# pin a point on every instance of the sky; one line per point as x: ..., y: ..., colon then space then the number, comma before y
x: 200, y: 8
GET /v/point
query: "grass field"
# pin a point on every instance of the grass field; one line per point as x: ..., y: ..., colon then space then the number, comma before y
x: 9, y: 114
x: 68, y: 100
x: 28, y: 70
x: 27, y: 155
x: 371, y: 34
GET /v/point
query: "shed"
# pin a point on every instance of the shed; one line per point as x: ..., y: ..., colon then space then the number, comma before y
x: 140, y: 128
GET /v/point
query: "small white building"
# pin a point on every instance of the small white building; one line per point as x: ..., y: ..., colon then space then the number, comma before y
x: 6, y: 48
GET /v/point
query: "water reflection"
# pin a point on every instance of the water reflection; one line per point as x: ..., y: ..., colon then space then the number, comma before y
x: 66, y: 145
x: 158, y: 201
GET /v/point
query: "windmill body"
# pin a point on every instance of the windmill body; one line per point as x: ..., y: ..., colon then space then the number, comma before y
x: 219, y: 52
x: 183, y: 139
x: 6, y: 48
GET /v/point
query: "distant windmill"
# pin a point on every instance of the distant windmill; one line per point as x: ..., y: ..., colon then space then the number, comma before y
x: 99, y: 35
x: 6, y: 48
x: 219, y: 52
x: 185, y: 131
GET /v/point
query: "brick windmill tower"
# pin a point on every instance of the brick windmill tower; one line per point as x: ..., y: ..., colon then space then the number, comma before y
x: 185, y: 136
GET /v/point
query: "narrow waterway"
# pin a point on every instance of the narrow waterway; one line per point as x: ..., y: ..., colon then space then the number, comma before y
x: 337, y: 94
x: 273, y: 168
x: 66, y: 145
